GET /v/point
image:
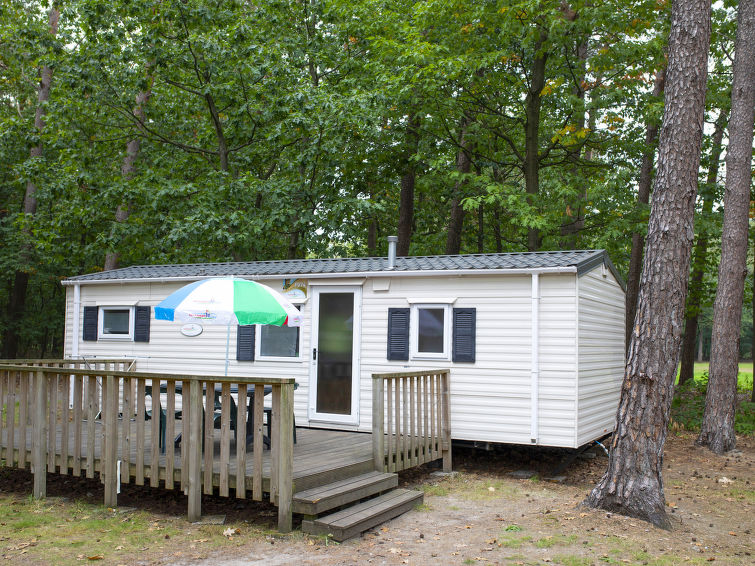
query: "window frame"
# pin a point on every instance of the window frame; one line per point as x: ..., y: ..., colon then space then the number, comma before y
x: 414, y: 352
x: 116, y: 337
x: 259, y: 356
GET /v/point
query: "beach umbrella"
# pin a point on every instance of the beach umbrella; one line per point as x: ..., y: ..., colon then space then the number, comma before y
x: 228, y: 300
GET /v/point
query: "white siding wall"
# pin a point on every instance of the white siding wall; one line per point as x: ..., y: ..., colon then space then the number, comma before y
x: 601, y: 353
x: 558, y: 360
x: 490, y: 399
x: 169, y: 351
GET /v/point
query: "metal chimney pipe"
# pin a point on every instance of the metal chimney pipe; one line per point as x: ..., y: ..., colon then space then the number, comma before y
x: 392, y: 240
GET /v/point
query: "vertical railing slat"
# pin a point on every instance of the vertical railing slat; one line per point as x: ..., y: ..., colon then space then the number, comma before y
x: 63, y: 399
x: 225, y: 439
x: 241, y: 441
x: 274, y: 446
x: 378, y: 424
x: 412, y: 421
x: 445, y: 399
x: 258, y: 444
x: 78, y: 418
x: 126, y: 413
x: 209, y: 439
x: 141, y: 415
x: 390, y: 426
x: 10, y: 414
x: 193, y: 438
x: 170, y: 433
x: 154, y: 460
x: 91, y: 416
x: 24, y: 381
x: 52, y: 429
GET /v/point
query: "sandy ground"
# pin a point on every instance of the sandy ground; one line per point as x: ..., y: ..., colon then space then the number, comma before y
x: 484, y: 515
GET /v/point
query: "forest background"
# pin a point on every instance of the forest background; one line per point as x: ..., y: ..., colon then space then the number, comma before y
x: 148, y: 131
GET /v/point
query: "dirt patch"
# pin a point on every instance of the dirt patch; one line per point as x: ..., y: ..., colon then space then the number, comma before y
x: 480, y: 515
x: 483, y: 515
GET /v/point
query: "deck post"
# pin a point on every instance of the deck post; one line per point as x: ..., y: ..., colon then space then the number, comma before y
x: 445, y: 399
x: 285, y: 442
x: 194, y: 450
x: 378, y: 423
x: 39, y: 437
x: 110, y: 453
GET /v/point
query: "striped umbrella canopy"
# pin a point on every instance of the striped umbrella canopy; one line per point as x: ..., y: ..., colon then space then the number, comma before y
x: 228, y: 300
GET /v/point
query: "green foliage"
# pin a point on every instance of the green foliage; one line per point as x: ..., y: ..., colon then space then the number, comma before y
x: 284, y: 129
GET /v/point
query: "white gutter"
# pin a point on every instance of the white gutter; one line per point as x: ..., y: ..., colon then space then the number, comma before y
x: 338, y: 275
x: 535, y: 376
x: 76, y: 319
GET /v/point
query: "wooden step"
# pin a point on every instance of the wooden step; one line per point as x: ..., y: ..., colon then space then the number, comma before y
x: 324, y: 498
x: 354, y: 520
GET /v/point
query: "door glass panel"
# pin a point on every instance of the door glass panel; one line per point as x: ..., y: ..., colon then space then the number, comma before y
x: 335, y: 353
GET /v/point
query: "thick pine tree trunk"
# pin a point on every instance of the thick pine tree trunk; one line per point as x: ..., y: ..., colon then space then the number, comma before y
x: 408, y: 179
x: 633, y: 483
x: 643, y: 197
x: 17, y: 302
x: 717, y: 431
x: 694, y: 297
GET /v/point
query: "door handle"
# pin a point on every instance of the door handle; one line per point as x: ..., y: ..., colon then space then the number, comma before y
x: 314, y: 353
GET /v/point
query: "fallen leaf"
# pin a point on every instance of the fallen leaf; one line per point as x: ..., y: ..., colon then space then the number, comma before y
x: 725, y: 480
x: 96, y: 557
x: 230, y: 531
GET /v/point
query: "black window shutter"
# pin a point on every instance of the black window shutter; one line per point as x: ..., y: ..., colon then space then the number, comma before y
x: 398, y: 334
x: 141, y: 324
x: 465, y: 327
x: 90, y: 323
x: 245, y: 343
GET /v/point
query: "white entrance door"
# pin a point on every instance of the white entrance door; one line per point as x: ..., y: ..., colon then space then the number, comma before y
x: 334, y: 369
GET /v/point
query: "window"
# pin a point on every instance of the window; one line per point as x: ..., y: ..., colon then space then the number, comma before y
x: 279, y: 341
x: 276, y: 342
x: 116, y: 323
x: 431, y: 331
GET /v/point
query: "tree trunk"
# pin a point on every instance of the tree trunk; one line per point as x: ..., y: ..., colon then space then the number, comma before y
x: 480, y: 228
x: 17, y: 302
x: 717, y: 431
x: 574, y: 217
x: 643, y: 197
x: 694, y: 297
x: 633, y: 484
x: 532, y: 134
x: 112, y: 258
x: 406, y: 199
x: 463, y: 166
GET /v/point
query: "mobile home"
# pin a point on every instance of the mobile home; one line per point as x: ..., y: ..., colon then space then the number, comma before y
x: 534, y: 341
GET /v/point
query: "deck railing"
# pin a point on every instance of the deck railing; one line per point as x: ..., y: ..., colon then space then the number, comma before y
x: 411, y: 419
x: 141, y: 427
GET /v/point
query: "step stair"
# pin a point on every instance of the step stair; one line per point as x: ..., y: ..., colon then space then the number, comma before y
x: 318, y: 500
x: 354, y: 520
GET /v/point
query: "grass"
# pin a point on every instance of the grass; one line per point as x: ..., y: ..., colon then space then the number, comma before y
x: 689, y: 402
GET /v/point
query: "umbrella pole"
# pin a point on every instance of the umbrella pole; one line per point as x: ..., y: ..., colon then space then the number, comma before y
x: 227, y: 347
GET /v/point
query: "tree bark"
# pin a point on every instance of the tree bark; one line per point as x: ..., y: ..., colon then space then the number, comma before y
x: 406, y: 198
x: 633, y: 484
x: 128, y: 167
x: 17, y: 302
x: 717, y: 431
x: 643, y: 197
x: 532, y: 133
x: 694, y: 297
x: 463, y: 166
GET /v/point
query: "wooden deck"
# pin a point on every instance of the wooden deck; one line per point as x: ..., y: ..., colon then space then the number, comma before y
x: 81, y: 417
x: 320, y: 457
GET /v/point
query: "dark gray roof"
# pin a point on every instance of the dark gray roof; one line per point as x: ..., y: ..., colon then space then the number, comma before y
x: 583, y: 260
